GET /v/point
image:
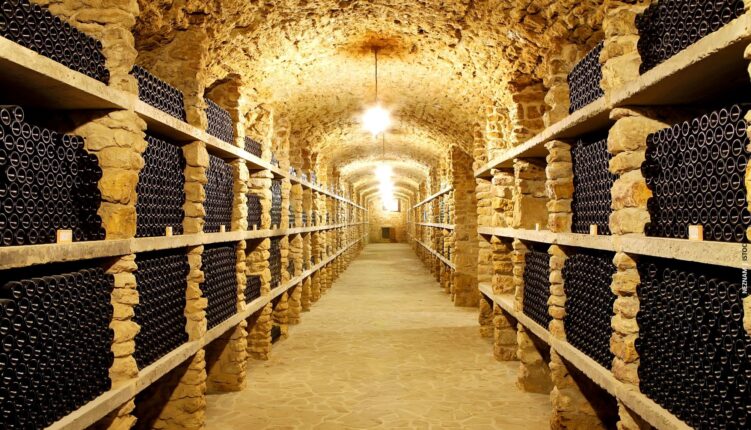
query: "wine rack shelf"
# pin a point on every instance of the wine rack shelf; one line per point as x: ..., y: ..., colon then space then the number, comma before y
x: 654, y: 414
x: 434, y: 196
x: 30, y: 255
x: 437, y: 255
x: 436, y: 225
x: 109, y: 401
x: 716, y: 253
x: 319, y: 189
x: 707, y: 67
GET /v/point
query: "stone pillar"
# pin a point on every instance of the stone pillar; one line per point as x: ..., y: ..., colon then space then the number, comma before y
x: 571, y: 409
x: 557, y: 300
x: 559, y: 184
x: 315, y: 287
x: 228, y: 94
x: 177, y: 400
x: 619, y: 57
x: 240, y: 188
x: 112, y: 24
x: 117, y: 139
x: 518, y: 259
x: 483, y: 195
x: 295, y: 305
x: 195, y: 306
x: 259, y: 333
x: 183, y: 62
x: 534, y: 373
x: 259, y: 324
x: 525, y: 111
x: 479, y: 152
x: 530, y: 198
x: 625, y: 328
x: 464, y: 280
x: 504, y: 330
x: 486, y: 317
x: 306, y: 295
x: 196, y: 165
x: 226, y: 359
x: 502, y: 193
x: 504, y: 335
x: 280, y: 313
x: 627, y: 142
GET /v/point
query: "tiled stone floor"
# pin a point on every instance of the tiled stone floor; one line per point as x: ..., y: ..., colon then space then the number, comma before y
x: 384, y: 348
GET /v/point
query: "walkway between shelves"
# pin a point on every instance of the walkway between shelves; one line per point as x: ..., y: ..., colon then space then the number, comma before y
x: 384, y: 348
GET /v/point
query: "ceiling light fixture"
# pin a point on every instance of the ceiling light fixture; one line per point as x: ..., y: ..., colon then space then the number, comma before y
x: 376, y: 119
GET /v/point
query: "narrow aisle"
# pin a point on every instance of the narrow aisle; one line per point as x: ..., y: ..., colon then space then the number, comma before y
x: 384, y: 348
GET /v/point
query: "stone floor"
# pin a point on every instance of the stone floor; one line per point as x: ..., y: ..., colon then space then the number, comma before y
x: 384, y: 348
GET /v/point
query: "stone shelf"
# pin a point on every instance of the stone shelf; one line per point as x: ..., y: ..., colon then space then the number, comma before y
x: 29, y: 255
x: 650, y: 411
x: 705, y: 252
x: 179, y: 131
x: 304, y: 230
x: 439, y: 256
x: 33, y: 80
x: 96, y: 409
x: 436, y: 225
x: 319, y: 189
x: 711, y: 66
x: 434, y: 196
x: 594, y: 116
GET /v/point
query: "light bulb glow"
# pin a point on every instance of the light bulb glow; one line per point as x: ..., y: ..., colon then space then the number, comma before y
x: 376, y: 120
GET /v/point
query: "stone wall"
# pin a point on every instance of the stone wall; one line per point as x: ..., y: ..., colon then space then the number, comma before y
x: 379, y: 218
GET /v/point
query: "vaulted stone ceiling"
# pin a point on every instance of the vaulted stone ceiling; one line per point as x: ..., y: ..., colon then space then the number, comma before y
x: 311, y: 61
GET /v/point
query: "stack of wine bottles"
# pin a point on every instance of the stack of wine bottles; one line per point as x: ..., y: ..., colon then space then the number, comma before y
x: 441, y: 210
x: 254, y: 211
x: 592, y: 185
x: 536, y: 285
x: 159, y: 94
x: 696, y: 171
x: 314, y: 218
x: 313, y: 177
x: 252, y: 288
x: 304, y: 219
x: 219, y: 264
x: 584, y: 80
x: 219, y: 195
x: 693, y: 349
x: 275, y: 262
x: 34, y: 27
x: 47, y: 182
x: 587, y: 277
x: 220, y: 122
x: 291, y: 214
x: 55, y: 354
x: 276, y: 202
x: 162, y: 280
x: 253, y: 146
x: 668, y: 27
x: 160, y: 189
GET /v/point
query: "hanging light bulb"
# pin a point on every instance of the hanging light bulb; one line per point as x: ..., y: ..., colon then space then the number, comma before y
x: 376, y: 120
x: 383, y: 172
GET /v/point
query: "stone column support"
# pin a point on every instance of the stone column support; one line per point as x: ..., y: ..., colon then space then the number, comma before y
x: 571, y: 408
x: 627, y: 143
x: 557, y: 299
x: 530, y: 197
x: 534, y: 373
x: 559, y: 184
x: 625, y: 328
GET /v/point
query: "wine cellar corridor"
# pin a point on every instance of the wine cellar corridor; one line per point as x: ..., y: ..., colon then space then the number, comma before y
x: 351, y: 214
x: 383, y: 349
